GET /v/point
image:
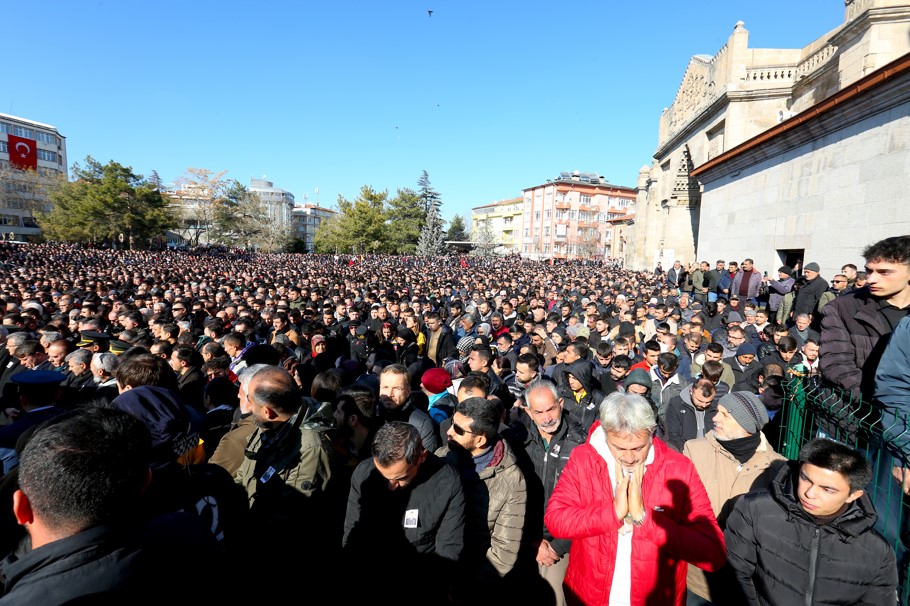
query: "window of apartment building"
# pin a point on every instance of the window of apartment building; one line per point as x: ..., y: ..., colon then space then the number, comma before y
x: 561, y: 215
x: 46, y: 137
x: 527, y: 248
x: 6, y: 128
x: 4, y: 147
x: 21, y: 131
x: 50, y: 156
x: 527, y: 232
x: 585, y: 200
x: 9, y: 220
x: 546, y: 247
x: 573, y: 214
x: 537, y: 215
x: 546, y: 231
x: 507, y: 220
x: 546, y: 214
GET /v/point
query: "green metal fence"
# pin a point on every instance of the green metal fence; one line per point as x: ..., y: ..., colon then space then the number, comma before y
x: 813, y: 410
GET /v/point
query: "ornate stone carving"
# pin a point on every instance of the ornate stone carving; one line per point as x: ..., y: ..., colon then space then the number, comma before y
x: 686, y: 190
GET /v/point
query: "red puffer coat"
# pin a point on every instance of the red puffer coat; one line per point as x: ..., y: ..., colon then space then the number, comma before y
x: 679, y: 527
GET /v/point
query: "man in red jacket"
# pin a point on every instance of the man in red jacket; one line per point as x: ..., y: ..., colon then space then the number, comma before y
x: 636, y: 511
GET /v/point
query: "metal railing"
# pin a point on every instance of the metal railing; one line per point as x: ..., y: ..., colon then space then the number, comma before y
x: 811, y: 410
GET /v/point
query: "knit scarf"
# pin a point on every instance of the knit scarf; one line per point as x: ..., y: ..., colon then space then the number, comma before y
x: 742, y: 449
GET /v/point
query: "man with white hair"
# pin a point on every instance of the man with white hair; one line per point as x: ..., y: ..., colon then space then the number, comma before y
x: 103, y: 366
x: 625, y: 492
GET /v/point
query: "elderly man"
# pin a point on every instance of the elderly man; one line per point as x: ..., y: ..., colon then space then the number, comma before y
x: 288, y: 464
x: 732, y: 459
x: 103, y: 367
x: 548, y: 436
x: 79, y: 386
x: 636, y: 512
x: 806, y: 301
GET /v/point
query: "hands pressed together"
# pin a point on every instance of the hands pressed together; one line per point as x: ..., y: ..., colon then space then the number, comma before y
x: 627, y: 499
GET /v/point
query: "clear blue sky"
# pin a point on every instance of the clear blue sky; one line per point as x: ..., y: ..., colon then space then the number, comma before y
x: 488, y: 97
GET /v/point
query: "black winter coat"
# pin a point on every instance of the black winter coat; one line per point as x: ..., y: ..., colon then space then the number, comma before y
x: 545, y: 463
x: 851, y: 341
x: 782, y: 556
x: 807, y: 297
x: 584, y: 411
x: 681, y: 423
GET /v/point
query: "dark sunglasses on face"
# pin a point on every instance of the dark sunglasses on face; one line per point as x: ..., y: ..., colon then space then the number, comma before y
x: 458, y: 429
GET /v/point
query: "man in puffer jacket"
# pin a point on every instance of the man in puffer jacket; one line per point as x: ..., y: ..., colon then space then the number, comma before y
x: 809, y: 538
x: 580, y: 396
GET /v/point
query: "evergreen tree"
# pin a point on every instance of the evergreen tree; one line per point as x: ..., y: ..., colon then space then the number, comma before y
x: 457, y: 231
x: 102, y: 202
x: 428, y: 196
x: 484, y: 240
x: 432, y: 240
x: 405, y: 216
x: 359, y: 227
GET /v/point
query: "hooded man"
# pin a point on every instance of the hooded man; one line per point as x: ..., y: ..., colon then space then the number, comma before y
x: 580, y: 393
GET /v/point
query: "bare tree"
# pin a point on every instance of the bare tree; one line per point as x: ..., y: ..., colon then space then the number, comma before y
x: 587, y: 243
x: 197, y: 195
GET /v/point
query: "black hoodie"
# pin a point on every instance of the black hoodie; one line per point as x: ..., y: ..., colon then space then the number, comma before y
x: 586, y: 410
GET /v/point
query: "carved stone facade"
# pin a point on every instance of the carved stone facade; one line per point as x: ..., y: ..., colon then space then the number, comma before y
x: 737, y: 94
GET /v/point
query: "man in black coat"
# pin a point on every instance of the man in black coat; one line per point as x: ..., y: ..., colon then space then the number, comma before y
x: 807, y: 297
x: 809, y: 539
x: 410, y: 502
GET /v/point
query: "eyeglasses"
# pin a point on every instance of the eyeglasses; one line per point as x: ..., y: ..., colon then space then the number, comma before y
x: 460, y: 430
x: 838, y: 281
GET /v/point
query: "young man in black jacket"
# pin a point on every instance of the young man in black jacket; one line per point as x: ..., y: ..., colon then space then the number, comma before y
x: 809, y: 539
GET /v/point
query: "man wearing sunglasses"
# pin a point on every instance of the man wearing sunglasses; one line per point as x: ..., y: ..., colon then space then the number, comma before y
x: 495, y: 490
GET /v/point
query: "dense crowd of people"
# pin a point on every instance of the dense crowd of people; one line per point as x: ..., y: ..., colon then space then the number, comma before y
x: 450, y: 430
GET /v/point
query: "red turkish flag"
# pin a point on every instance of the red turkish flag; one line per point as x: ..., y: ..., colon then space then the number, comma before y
x: 23, y: 153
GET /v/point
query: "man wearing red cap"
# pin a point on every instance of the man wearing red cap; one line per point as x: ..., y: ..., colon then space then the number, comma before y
x: 435, y: 383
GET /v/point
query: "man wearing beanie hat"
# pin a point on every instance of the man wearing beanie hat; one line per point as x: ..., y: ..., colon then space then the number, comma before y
x: 639, y: 382
x: 744, y: 366
x: 808, y: 295
x: 733, y: 459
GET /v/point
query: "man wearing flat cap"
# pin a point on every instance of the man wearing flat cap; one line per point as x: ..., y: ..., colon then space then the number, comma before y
x: 809, y: 293
x: 733, y: 458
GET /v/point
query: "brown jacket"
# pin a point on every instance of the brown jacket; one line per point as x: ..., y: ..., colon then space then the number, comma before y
x: 724, y: 479
x: 231, y: 448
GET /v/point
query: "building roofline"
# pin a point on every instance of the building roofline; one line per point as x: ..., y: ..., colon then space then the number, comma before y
x: 518, y: 200
x: 618, y: 188
x: 33, y: 122
x: 898, y: 67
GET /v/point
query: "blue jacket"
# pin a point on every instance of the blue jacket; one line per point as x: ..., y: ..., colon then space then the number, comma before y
x: 892, y: 386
